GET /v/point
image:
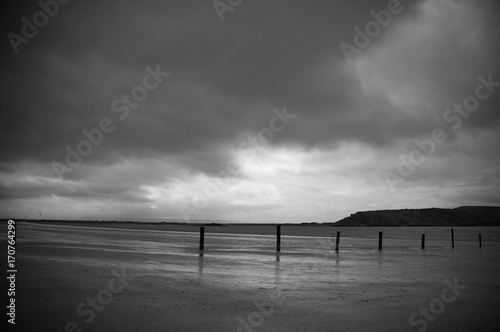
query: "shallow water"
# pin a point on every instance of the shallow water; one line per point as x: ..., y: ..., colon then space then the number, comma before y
x: 239, y: 255
x: 351, y: 238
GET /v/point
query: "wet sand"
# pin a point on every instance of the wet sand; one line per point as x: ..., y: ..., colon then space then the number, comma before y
x: 156, y: 281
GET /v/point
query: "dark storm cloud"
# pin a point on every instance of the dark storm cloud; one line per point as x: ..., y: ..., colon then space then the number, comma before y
x: 225, y: 80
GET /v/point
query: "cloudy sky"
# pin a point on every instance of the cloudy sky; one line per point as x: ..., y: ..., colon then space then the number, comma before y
x: 262, y: 111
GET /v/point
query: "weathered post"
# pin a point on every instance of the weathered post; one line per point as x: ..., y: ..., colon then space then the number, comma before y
x: 278, y: 238
x: 423, y: 241
x: 452, y: 239
x: 202, y: 238
x: 337, y: 242
x: 480, y: 243
x: 380, y: 240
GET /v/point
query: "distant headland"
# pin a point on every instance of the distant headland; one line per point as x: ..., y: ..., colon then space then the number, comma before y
x: 461, y: 216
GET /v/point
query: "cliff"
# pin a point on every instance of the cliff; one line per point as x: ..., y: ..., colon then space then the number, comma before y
x: 461, y: 216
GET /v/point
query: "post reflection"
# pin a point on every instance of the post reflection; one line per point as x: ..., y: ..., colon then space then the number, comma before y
x: 200, y: 265
x: 277, y: 269
x: 380, y: 258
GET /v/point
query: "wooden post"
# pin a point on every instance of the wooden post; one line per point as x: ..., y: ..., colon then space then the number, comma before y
x: 480, y: 243
x: 202, y: 238
x: 379, y: 240
x: 278, y: 238
x: 423, y: 241
x: 337, y: 241
x: 452, y: 239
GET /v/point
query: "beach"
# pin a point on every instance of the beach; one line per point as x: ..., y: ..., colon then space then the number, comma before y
x: 113, y: 279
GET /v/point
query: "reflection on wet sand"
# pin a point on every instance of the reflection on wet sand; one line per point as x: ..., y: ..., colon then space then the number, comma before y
x: 277, y: 270
x: 200, y: 266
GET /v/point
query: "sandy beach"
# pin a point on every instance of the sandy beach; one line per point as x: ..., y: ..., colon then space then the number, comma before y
x: 99, y: 279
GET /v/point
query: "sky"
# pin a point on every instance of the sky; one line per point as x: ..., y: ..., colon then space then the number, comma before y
x: 251, y: 111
